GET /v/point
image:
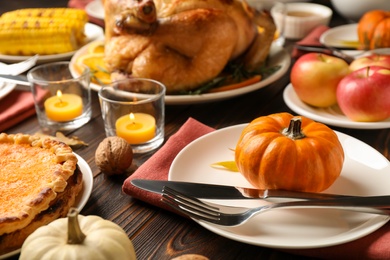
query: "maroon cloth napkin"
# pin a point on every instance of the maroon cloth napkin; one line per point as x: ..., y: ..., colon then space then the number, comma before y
x: 157, y: 167
x: 312, y: 39
x: 16, y: 107
x: 81, y: 4
x: 373, y: 246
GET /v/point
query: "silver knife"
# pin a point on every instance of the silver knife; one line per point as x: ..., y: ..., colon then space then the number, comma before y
x: 212, y: 191
x: 17, y: 79
x: 327, y: 50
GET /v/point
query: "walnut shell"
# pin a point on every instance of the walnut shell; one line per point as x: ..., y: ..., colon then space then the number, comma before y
x: 114, y: 155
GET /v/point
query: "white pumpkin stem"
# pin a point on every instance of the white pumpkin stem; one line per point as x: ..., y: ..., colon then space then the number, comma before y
x: 75, y: 235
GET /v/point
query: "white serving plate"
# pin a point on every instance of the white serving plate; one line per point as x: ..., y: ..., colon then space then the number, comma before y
x: 277, y: 56
x: 330, y: 115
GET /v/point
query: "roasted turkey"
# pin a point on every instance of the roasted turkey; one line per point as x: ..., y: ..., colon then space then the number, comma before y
x: 183, y: 43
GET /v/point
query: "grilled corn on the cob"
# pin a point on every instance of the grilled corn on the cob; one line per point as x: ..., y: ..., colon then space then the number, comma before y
x: 42, y: 31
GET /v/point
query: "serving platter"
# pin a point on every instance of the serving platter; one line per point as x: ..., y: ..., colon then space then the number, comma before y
x: 330, y: 115
x: 93, y: 32
x: 278, y: 56
x: 365, y: 172
x: 81, y: 198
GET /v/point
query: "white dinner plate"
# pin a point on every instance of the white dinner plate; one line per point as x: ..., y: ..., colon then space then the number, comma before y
x: 93, y: 32
x: 365, y: 172
x: 95, y: 9
x: 330, y: 115
x: 81, y: 198
x: 277, y: 56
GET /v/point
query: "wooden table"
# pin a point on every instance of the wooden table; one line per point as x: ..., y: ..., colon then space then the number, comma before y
x: 158, y: 234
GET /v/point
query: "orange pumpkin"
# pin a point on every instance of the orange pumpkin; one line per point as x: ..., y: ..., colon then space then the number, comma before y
x: 374, y: 30
x: 281, y: 151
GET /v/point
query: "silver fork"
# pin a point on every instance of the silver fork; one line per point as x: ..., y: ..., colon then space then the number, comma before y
x: 197, y: 209
x: 18, y: 68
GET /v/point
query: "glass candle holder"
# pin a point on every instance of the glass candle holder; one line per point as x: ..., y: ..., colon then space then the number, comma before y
x: 62, y: 102
x: 134, y: 109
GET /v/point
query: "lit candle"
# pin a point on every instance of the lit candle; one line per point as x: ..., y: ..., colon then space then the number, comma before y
x: 136, y: 128
x: 63, y: 107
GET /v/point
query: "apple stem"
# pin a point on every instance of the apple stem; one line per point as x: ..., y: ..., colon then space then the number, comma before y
x: 321, y: 57
x: 294, y: 130
x: 367, y: 71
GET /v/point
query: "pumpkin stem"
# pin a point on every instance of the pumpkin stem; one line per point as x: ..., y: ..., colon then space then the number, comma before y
x: 293, y: 131
x: 75, y: 235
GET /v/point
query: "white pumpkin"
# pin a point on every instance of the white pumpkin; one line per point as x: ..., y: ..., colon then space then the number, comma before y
x: 78, y: 237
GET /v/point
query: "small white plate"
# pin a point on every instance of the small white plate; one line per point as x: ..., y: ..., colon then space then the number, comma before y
x: 81, y: 198
x: 95, y: 9
x: 365, y: 172
x: 331, y: 115
x: 278, y: 56
x: 344, y: 37
x: 92, y: 31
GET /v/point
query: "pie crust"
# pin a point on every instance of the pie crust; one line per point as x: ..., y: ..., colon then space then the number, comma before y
x: 34, y: 173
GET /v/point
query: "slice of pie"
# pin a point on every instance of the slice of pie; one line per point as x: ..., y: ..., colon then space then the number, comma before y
x: 39, y: 182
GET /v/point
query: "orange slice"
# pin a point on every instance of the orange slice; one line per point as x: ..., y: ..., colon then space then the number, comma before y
x: 96, y: 64
x: 96, y: 47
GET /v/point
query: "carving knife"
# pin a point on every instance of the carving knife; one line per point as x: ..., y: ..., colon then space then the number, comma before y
x: 212, y: 191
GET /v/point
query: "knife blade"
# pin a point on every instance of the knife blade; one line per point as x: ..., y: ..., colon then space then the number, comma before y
x: 327, y: 50
x: 212, y: 191
x: 16, y: 79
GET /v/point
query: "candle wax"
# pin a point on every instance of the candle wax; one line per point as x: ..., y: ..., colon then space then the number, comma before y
x: 138, y: 130
x: 64, y: 108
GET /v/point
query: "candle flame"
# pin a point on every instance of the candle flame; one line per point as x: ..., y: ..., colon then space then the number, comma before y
x: 132, y: 117
x: 59, y: 95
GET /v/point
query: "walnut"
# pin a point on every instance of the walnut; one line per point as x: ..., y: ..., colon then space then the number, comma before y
x: 114, y: 155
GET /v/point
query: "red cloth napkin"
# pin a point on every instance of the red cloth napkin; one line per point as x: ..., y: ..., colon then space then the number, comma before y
x: 16, y: 107
x: 81, y: 4
x: 312, y: 39
x: 373, y: 246
x: 157, y: 167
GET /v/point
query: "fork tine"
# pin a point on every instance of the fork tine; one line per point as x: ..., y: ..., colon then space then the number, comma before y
x: 190, y: 206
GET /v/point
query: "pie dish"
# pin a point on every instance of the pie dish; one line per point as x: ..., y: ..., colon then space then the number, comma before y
x: 39, y: 183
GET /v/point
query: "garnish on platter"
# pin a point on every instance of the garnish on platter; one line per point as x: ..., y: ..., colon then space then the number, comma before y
x: 226, y: 165
x: 94, y: 59
x: 234, y: 76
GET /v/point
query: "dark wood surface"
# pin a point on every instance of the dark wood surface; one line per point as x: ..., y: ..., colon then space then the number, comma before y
x: 158, y: 234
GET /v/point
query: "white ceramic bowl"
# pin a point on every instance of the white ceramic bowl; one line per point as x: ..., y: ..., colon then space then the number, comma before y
x: 302, y: 18
x: 354, y: 9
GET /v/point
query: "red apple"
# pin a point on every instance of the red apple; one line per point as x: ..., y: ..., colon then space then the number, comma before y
x: 382, y: 60
x: 315, y: 77
x: 364, y: 94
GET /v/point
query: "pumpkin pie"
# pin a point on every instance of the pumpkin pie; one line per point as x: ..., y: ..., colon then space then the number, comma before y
x: 39, y: 182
